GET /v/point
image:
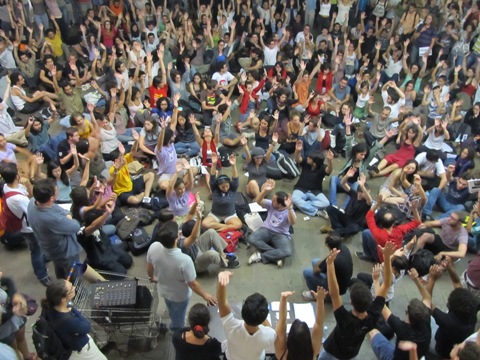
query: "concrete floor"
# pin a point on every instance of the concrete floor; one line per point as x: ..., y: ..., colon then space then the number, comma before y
x: 266, y: 279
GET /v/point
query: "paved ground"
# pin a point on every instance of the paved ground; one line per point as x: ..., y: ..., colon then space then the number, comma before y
x: 267, y: 279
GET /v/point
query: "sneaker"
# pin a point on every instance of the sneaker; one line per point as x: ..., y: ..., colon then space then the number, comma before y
x: 279, y: 263
x: 326, y: 229
x: 232, y: 257
x: 364, y: 257
x: 426, y: 217
x: 322, y: 214
x: 146, y: 200
x: 46, y: 281
x: 255, y: 258
x: 307, y: 295
x: 233, y: 264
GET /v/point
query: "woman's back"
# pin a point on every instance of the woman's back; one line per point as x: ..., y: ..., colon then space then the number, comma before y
x: 209, y: 350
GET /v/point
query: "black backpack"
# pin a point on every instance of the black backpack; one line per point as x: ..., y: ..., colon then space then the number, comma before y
x: 421, y: 261
x: 287, y: 166
x: 46, y: 341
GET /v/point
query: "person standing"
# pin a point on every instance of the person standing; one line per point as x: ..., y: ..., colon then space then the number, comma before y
x: 174, y: 273
x: 17, y: 193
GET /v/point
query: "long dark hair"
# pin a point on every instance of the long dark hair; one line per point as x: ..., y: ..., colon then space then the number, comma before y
x: 410, y: 177
x: 79, y: 196
x: 52, y: 165
x: 299, y: 342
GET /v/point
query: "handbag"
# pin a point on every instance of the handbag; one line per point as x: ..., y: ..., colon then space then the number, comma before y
x: 253, y: 221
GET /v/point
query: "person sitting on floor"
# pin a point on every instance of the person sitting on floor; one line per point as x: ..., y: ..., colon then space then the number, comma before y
x: 317, y: 275
x: 207, y: 248
x: 375, y: 237
x: 273, y: 240
x: 352, y: 219
x: 345, y: 340
x: 223, y: 216
x: 130, y: 191
x: 307, y: 194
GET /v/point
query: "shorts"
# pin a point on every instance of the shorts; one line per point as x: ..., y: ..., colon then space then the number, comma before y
x: 223, y: 219
x: 138, y: 187
x: 165, y: 177
x: 29, y: 108
x: 437, y: 245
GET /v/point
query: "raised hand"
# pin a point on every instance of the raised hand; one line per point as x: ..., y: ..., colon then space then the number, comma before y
x: 299, y: 145
x: 73, y: 149
x: 351, y: 172
x: 413, y: 273
x: 388, y: 250
x: 224, y: 277
x: 275, y: 137
x: 269, y: 185
x: 135, y: 135
x: 214, y: 158
x: 243, y: 140
x: 332, y: 256
x: 232, y: 159
x: 376, y: 271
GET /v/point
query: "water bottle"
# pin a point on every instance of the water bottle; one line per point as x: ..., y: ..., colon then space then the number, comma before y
x: 325, y: 333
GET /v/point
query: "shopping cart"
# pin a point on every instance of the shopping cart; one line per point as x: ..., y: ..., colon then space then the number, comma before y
x: 136, y: 321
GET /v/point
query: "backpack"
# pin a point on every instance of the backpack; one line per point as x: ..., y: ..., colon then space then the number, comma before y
x: 231, y: 237
x: 241, y: 206
x: 46, y: 341
x: 9, y: 222
x: 287, y: 166
x: 159, y: 201
x: 134, y: 217
x: 139, y: 241
x: 224, y: 155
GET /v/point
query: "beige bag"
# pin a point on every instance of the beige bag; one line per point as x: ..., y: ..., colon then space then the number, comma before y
x: 253, y: 221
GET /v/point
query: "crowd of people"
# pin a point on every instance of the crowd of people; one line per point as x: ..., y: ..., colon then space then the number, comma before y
x: 155, y: 98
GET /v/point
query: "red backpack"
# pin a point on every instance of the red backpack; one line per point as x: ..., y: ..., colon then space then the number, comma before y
x: 9, y: 222
x: 232, y: 237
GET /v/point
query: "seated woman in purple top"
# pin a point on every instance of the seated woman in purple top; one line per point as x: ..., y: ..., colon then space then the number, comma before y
x: 272, y: 241
x: 179, y: 190
x: 166, y: 155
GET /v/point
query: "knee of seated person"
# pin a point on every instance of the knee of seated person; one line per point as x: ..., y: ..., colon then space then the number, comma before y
x: 133, y: 200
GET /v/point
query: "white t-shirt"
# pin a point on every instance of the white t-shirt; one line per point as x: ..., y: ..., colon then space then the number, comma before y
x: 223, y: 79
x: 425, y: 165
x: 270, y: 56
x: 241, y: 345
x: 394, y: 108
x: 392, y: 67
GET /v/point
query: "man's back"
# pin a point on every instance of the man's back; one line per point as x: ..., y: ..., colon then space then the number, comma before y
x: 242, y: 345
x: 173, y: 270
x: 56, y: 233
x: 346, y: 339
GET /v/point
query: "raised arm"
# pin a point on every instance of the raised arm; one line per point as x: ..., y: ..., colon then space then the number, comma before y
x: 281, y: 328
x: 223, y: 281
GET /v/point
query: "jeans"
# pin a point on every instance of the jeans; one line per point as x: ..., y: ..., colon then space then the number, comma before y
x: 272, y: 245
x: 125, y: 138
x: 42, y: 19
x: 177, y: 312
x: 414, y: 54
x: 36, y: 256
x: 385, y: 78
x: 341, y: 223
x: 336, y: 186
x: 308, y: 203
x: 437, y: 197
x: 369, y: 245
x: 189, y: 149
x: 313, y: 280
x: 324, y: 355
x: 50, y: 148
x: 382, y: 348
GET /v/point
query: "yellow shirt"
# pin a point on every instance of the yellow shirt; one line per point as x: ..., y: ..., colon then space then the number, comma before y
x: 123, y: 182
x: 84, y: 134
x: 56, y: 44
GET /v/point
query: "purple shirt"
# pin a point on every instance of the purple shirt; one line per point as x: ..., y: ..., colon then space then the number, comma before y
x: 453, y: 237
x: 167, y: 159
x: 179, y: 205
x: 277, y: 220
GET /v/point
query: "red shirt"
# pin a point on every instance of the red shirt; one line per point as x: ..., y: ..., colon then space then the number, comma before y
x: 246, y: 96
x: 156, y: 94
x: 382, y: 236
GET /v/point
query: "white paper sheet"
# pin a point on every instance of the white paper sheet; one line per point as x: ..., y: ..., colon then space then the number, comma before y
x: 254, y: 207
x: 304, y: 312
x: 275, y: 306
